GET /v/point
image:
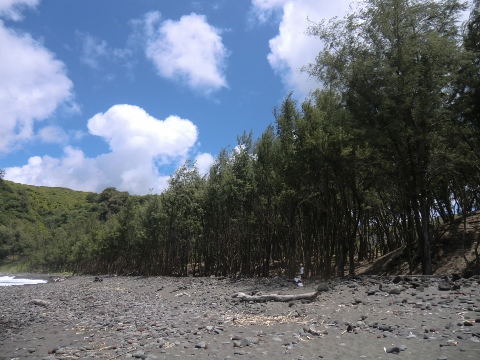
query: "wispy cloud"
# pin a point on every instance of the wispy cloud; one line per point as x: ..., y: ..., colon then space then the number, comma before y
x: 53, y: 135
x: 264, y: 9
x: 95, y: 51
x: 12, y: 9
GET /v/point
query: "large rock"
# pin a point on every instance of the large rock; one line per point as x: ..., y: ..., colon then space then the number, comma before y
x: 397, y: 279
x: 322, y: 287
x: 456, y: 277
x: 444, y: 286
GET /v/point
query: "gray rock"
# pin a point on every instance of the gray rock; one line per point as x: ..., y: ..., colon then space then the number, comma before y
x: 60, y: 351
x: 249, y: 341
x: 313, y: 331
x: 444, y: 286
x: 322, y: 287
x: 392, y: 350
x: 139, y: 355
x: 40, y: 302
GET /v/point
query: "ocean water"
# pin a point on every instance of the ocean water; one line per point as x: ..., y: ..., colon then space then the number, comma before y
x: 10, y: 280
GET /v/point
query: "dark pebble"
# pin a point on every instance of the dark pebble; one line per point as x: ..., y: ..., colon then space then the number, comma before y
x: 392, y: 350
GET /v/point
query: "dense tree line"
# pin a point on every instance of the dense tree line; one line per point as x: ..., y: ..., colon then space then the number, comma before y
x: 386, y: 152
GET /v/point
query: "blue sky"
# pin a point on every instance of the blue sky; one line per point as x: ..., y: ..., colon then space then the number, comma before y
x: 121, y: 92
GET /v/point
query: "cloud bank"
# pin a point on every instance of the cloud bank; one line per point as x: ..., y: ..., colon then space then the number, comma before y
x: 189, y: 50
x: 291, y: 48
x: 139, y: 145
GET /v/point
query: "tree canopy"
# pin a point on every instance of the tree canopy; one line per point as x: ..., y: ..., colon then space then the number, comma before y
x: 379, y: 158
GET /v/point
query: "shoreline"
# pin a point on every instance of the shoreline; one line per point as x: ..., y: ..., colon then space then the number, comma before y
x: 32, y: 276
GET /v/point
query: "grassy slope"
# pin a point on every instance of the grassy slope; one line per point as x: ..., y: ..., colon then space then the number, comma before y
x: 29, y: 213
x: 38, y: 203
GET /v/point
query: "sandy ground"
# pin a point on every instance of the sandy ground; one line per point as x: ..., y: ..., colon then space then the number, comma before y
x: 366, y: 317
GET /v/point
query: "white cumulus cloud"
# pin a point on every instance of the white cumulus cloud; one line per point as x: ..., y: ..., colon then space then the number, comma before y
x: 33, y: 84
x: 203, y: 162
x: 189, y: 50
x: 72, y: 170
x: 139, y: 144
x: 291, y: 48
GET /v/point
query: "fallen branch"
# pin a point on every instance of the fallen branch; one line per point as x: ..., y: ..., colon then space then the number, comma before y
x: 282, y: 298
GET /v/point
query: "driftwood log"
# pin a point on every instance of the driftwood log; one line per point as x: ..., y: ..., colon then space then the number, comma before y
x: 282, y: 298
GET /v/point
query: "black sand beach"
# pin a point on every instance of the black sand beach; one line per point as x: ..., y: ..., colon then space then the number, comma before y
x: 366, y: 317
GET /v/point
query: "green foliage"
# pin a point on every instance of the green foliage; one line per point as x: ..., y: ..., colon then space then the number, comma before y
x: 394, y: 63
x: 379, y: 159
x: 33, y: 221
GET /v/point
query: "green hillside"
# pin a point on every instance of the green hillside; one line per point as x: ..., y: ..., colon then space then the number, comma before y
x: 31, y: 216
x: 41, y: 205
